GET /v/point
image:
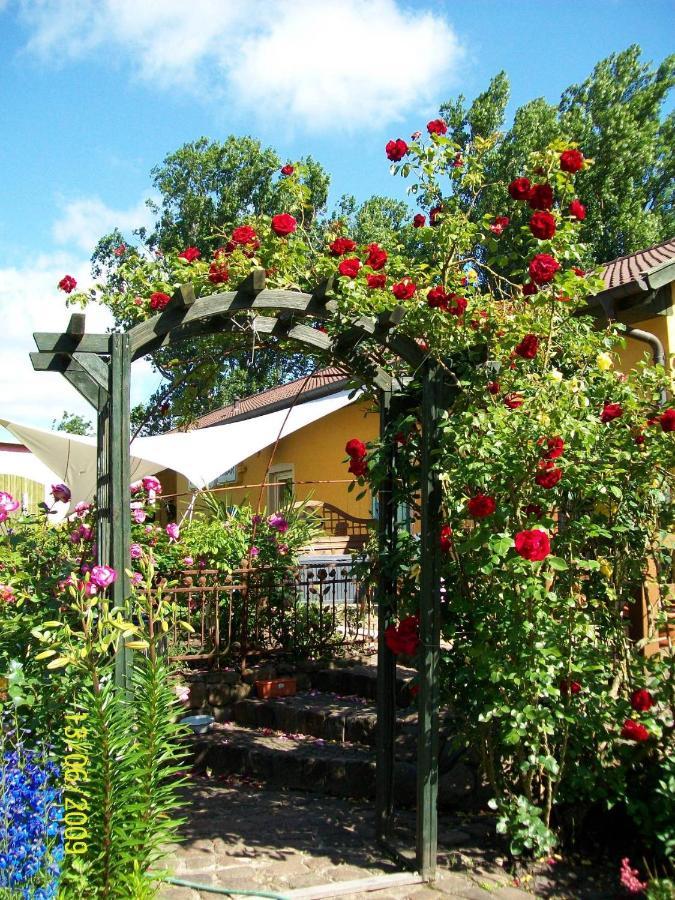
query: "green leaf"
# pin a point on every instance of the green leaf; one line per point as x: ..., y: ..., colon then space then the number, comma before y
x: 558, y: 564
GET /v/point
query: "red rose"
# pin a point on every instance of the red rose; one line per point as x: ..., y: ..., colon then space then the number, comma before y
x: 527, y: 348
x: 218, y: 272
x: 578, y: 272
x: 569, y: 687
x: 67, y: 284
x: 513, y: 400
x: 634, y: 731
x: 548, y: 475
x: 542, y: 225
x: 667, y: 420
x: 288, y: 169
x: 543, y: 268
x: 358, y: 467
x: 456, y: 305
x: 541, y: 196
x: 437, y: 126
x: 571, y: 160
x: 377, y: 257
x: 499, y: 225
x: 350, y: 267
x: 434, y: 216
x: 445, y: 540
x: 530, y: 288
x: 437, y: 298
x: 376, y: 281
x: 396, y: 150
x: 355, y: 448
x: 244, y: 234
x: 158, y: 300
x: 520, y: 188
x: 457, y: 162
x: 533, y: 545
x: 404, y: 290
x: 404, y: 637
x: 639, y: 438
x: 341, y: 246
x: 533, y: 509
x: 556, y: 447
x: 190, y: 254
x: 283, y: 224
x: 578, y: 210
x: 493, y: 387
x: 641, y: 700
x: 481, y: 506
x: 610, y: 412
x: 419, y: 221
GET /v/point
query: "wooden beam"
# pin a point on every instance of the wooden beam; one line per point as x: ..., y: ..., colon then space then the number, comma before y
x: 49, y: 362
x: 325, y: 291
x: 254, y: 283
x: 62, y: 342
x: 76, y: 324
x: 184, y: 296
x: 95, y: 367
x: 85, y: 386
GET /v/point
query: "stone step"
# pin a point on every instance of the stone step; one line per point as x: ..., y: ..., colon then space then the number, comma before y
x: 361, y: 681
x: 294, y: 761
x: 332, y: 717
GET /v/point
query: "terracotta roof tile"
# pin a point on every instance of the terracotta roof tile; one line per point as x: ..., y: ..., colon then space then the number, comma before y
x: 284, y: 393
x: 629, y: 268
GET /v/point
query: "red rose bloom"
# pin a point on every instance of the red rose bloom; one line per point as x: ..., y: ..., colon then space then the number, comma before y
x: 244, y: 234
x: 437, y: 298
x: 513, y: 400
x: 434, y: 216
x: 419, y: 221
x: 569, y: 687
x: 376, y: 281
x: 578, y: 210
x: 530, y: 288
x: 283, y: 224
x: 520, y: 188
x: 578, y: 272
x: 493, y: 387
x: 404, y: 637
x: 437, y: 126
x: 288, y: 169
x: 548, y: 475
x: 641, y: 700
x: 396, y: 150
x: 634, y: 731
x: 499, y: 225
x: 377, y: 257
x: 542, y: 225
x: 667, y: 420
x: 533, y: 509
x: 572, y: 160
x: 533, y: 545
x: 190, y: 254
x: 541, y: 196
x: 527, y: 348
x: 404, y: 290
x: 358, y: 467
x: 355, y: 448
x: 556, y: 447
x: 67, y: 284
x: 456, y: 305
x: 159, y: 301
x: 342, y: 245
x: 350, y: 267
x: 218, y: 272
x: 481, y: 506
x: 543, y: 268
x: 445, y: 540
x: 610, y: 412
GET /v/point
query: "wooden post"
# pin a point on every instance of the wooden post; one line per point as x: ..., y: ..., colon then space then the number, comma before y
x: 386, y: 661
x: 429, y: 613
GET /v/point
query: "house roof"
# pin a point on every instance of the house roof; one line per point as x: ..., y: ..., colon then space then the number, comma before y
x: 318, y: 384
x: 634, y: 267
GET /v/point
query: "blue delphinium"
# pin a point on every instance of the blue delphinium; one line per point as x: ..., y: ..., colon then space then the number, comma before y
x: 31, y: 832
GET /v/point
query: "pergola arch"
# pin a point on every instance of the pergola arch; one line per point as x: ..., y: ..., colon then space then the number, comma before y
x: 99, y: 367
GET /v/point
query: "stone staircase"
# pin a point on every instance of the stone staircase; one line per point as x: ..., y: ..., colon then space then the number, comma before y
x: 322, y: 739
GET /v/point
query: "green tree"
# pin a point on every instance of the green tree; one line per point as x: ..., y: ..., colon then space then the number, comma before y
x: 73, y: 424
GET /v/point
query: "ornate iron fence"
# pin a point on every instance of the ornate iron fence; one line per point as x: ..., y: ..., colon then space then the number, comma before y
x: 303, y: 611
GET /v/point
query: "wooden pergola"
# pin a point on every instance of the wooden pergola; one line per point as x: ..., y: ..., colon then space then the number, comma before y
x: 99, y: 367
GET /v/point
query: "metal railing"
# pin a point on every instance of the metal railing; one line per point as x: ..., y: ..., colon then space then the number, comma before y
x: 305, y: 611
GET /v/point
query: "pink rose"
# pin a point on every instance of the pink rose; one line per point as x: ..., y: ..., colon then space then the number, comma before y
x: 61, y: 492
x: 173, y: 531
x: 103, y: 576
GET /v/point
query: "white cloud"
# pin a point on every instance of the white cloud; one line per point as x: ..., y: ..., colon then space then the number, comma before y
x: 84, y: 221
x: 320, y: 65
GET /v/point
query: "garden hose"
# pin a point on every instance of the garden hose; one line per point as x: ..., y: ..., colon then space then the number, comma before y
x: 223, y: 890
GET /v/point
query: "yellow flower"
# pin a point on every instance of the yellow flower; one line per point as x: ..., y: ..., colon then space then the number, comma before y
x: 555, y: 375
x: 605, y: 569
x: 604, y: 361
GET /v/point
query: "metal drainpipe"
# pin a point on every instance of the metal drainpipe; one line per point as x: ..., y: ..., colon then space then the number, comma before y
x: 658, y: 351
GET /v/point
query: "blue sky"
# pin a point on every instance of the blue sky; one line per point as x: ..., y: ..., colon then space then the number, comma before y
x: 95, y: 92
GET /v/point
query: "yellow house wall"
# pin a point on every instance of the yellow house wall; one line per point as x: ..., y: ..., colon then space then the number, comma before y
x: 317, y: 454
x: 635, y: 351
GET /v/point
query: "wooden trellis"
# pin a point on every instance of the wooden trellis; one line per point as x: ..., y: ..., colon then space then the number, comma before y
x: 99, y: 367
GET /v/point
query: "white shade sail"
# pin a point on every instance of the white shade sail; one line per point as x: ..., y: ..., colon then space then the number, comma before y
x: 201, y: 455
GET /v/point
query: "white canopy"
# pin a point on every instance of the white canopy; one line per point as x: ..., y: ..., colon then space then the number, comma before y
x: 201, y: 455
x: 26, y: 465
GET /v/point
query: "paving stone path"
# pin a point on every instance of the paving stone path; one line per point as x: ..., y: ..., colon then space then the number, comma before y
x: 244, y: 836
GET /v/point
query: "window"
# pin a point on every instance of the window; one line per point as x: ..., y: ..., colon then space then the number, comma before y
x: 280, y: 490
